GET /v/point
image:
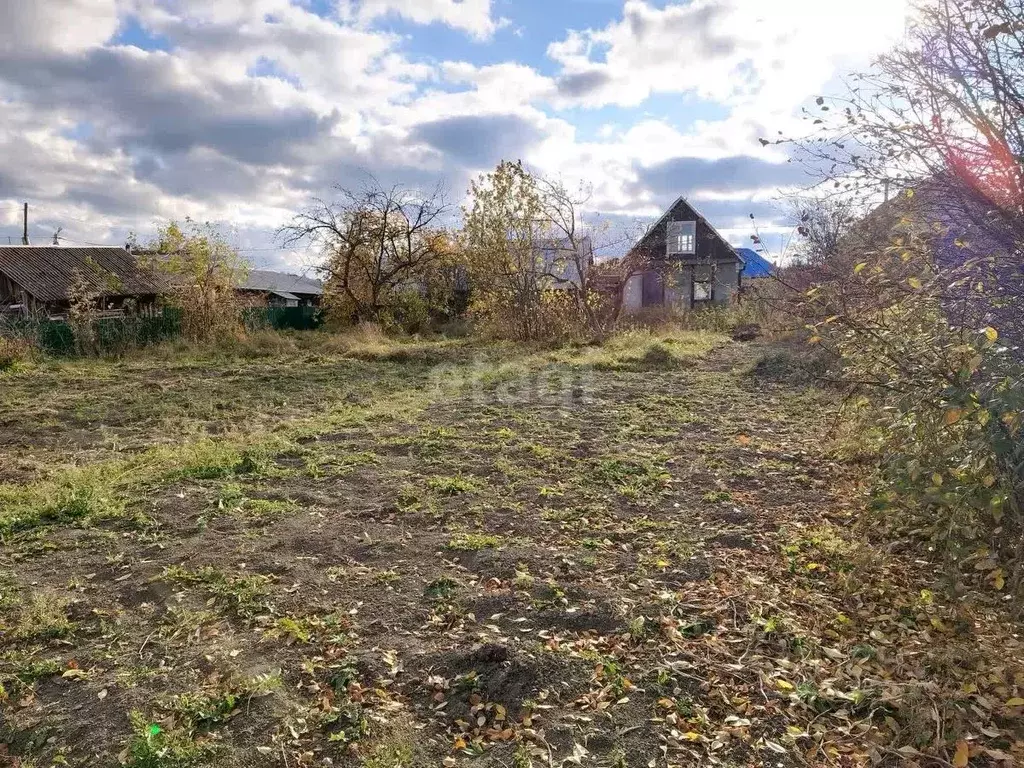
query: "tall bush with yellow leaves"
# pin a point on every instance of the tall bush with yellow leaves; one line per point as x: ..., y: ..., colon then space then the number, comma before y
x: 941, y: 402
x: 203, y: 273
x: 515, y: 294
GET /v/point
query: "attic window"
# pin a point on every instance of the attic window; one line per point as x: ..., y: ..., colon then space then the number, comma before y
x: 682, y: 237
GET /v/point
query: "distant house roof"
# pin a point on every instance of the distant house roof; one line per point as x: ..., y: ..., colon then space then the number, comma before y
x: 755, y: 265
x: 265, y: 281
x: 48, y: 272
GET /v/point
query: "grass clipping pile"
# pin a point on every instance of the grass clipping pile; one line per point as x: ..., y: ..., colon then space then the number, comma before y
x: 640, y: 555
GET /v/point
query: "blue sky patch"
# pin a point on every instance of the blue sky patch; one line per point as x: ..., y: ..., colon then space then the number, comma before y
x: 131, y: 32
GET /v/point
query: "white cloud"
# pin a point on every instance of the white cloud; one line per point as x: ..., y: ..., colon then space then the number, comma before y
x: 68, y: 26
x: 257, y: 106
x: 471, y: 16
x: 731, y: 51
x: 112, y: 137
x: 506, y: 84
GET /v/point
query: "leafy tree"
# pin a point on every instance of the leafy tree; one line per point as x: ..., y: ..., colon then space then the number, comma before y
x: 503, y: 225
x: 530, y: 246
x: 203, y: 273
x: 83, y: 312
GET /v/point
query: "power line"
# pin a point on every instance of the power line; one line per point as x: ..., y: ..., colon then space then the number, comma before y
x: 85, y: 242
x: 261, y: 264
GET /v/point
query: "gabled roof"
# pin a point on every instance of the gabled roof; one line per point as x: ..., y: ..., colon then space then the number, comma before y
x: 754, y: 264
x: 668, y: 212
x: 47, y: 272
x: 266, y: 281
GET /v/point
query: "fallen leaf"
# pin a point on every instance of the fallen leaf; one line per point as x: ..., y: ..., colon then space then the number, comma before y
x: 962, y: 756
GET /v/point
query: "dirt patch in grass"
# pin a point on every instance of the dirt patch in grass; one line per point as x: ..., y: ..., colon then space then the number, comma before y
x: 654, y: 563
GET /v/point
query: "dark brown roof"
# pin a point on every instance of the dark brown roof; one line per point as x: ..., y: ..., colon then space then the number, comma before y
x: 47, y: 272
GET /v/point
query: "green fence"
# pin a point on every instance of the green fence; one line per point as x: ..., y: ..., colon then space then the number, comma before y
x: 116, y: 334
x: 283, y: 318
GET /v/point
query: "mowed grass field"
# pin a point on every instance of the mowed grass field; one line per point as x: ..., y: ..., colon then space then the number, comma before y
x: 312, y: 552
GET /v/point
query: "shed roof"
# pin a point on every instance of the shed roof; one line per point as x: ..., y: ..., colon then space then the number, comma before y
x: 47, y: 272
x: 280, y: 282
x: 755, y: 265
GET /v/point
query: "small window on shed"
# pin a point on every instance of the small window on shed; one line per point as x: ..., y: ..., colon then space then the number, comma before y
x: 682, y: 237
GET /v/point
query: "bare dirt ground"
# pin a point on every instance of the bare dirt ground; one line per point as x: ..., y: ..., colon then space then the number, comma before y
x: 637, y: 556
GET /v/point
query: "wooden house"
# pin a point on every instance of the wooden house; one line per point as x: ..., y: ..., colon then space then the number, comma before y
x: 682, y: 262
x: 280, y: 289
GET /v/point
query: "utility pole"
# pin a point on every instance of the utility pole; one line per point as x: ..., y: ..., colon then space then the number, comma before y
x: 24, y: 236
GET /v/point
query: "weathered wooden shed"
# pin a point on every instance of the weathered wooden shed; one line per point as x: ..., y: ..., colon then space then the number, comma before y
x: 38, y: 279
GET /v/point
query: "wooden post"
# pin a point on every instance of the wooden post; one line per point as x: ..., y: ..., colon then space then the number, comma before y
x: 24, y: 236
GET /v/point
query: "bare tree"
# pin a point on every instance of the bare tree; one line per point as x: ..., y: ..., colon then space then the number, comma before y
x: 377, y: 241
x: 822, y: 223
x: 577, y: 239
x: 937, y: 127
x: 928, y: 315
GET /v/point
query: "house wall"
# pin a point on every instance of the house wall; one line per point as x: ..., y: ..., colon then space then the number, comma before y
x: 679, y: 287
x: 11, y: 292
x: 558, y: 260
x: 277, y: 301
x: 727, y: 282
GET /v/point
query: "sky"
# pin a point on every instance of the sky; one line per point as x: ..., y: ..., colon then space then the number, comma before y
x: 121, y: 115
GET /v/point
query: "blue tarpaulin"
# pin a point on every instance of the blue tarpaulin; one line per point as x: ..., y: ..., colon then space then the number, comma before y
x: 755, y: 265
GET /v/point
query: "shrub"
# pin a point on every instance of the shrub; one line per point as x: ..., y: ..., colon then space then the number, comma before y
x: 202, y: 272
x: 15, y: 351
x: 939, y: 402
x: 755, y: 310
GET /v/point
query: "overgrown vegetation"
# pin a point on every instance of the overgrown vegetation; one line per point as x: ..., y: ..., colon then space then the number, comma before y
x: 643, y: 546
x: 921, y: 301
x: 15, y: 351
x: 202, y: 271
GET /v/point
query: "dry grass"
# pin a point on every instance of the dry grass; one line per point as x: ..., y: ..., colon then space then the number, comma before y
x: 16, y: 352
